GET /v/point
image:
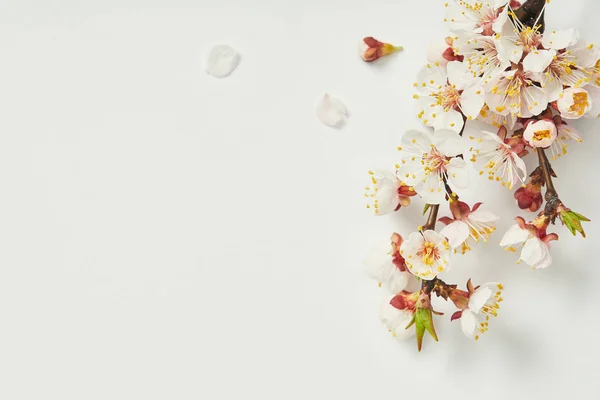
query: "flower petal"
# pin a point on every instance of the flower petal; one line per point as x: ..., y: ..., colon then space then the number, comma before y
x: 514, y: 235
x: 456, y: 232
x: 479, y: 298
x: 431, y: 189
x: 471, y: 101
x: 558, y: 40
x: 379, y: 263
x: 534, y: 251
x: 483, y: 216
x: 538, y: 60
x: 450, y: 119
x: 416, y: 142
x: 468, y: 323
x: 458, y: 173
x: 331, y: 111
x: 221, y: 61
x: 449, y: 143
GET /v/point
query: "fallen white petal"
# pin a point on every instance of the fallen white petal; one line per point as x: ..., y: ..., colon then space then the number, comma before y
x: 331, y: 111
x: 221, y: 61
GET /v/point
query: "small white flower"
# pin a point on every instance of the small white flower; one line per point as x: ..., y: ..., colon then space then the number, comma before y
x: 496, y: 120
x: 467, y: 223
x: 570, y: 65
x: 384, y: 264
x: 541, y: 133
x: 429, y: 159
x: 514, y: 92
x: 396, y: 320
x: 483, y: 303
x: 331, y: 111
x: 221, y: 61
x: 386, y: 192
x: 535, y: 252
x: 446, y: 95
x: 514, y: 42
x: 484, y: 56
x: 501, y: 161
x: 574, y: 103
x: 485, y: 17
x: 426, y: 254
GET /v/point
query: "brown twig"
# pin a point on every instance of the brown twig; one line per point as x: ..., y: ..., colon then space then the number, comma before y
x: 529, y: 12
x: 551, y: 196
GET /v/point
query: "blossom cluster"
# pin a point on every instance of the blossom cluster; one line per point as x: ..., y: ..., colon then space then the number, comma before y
x: 498, y: 66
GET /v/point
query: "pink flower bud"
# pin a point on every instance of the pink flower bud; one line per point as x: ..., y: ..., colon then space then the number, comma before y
x: 372, y: 49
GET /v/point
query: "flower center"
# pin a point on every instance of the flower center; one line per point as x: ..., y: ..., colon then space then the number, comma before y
x: 434, y: 162
x: 487, y: 17
x: 541, y: 135
x: 580, y: 104
x: 448, y: 97
x: 597, y: 71
x: 530, y: 38
x: 429, y: 253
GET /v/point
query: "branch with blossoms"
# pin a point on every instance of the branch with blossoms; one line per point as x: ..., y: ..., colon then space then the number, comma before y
x: 499, y: 67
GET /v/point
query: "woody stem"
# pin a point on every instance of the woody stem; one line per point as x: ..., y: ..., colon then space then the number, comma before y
x: 551, y: 196
x: 432, y: 218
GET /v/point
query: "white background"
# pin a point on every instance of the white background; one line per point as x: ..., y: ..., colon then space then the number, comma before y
x: 168, y: 235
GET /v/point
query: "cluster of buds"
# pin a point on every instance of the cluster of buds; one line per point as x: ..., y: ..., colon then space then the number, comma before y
x: 499, y: 67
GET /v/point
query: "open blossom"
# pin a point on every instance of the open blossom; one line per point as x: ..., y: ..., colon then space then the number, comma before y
x: 371, y: 49
x: 428, y: 160
x: 541, y: 133
x: 482, y: 16
x: 496, y: 120
x: 426, y: 254
x: 570, y: 64
x: 574, y: 103
x: 533, y: 239
x: 466, y: 222
x: 499, y: 155
x: 565, y: 133
x: 446, y: 94
x: 484, y: 55
x: 524, y: 40
x: 387, y: 193
x: 397, y: 313
x: 385, y: 264
x: 481, y: 303
x: 514, y: 92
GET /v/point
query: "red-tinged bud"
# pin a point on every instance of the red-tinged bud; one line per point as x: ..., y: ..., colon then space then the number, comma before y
x: 397, y: 258
x: 529, y: 197
x: 405, y: 301
x: 514, y: 4
x: 372, y: 49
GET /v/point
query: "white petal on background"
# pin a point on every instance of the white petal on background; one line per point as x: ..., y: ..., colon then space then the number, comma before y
x: 456, y: 232
x: 483, y: 216
x: 534, y: 251
x: 458, y: 173
x: 468, y: 323
x: 479, y: 298
x: 538, y: 61
x: 471, y: 101
x: 449, y: 142
x: 331, y: 111
x: 221, y: 61
x: 448, y: 120
x: 515, y: 234
x: 560, y: 39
